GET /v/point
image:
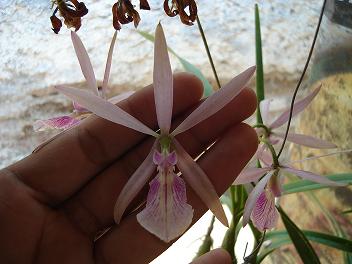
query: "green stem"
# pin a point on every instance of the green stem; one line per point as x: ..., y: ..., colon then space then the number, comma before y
x: 208, y: 241
x: 208, y: 52
x: 273, y: 152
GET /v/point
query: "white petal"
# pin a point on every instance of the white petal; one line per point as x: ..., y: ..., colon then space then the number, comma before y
x: 162, y: 82
x: 297, y: 108
x: 134, y: 185
x: 307, y: 141
x: 108, y: 64
x: 105, y: 109
x: 312, y: 176
x: 199, y: 182
x: 250, y: 175
x: 216, y: 101
x: 264, y: 107
x: 84, y: 62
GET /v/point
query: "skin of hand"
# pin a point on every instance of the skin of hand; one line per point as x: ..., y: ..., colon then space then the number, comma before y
x: 216, y: 256
x: 56, y: 205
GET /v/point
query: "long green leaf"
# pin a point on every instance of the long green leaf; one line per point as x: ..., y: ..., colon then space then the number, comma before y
x: 281, y: 238
x: 299, y: 240
x: 189, y: 67
x: 259, y: 63
x: 305, y: 185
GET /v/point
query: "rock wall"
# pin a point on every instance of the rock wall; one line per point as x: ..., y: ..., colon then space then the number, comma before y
x: 33, y: 59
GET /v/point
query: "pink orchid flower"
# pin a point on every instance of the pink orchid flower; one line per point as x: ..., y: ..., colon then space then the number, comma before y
x: 167, y: 214
x: 260, y: 205
x: 79, y: 112
x: 275, y: 136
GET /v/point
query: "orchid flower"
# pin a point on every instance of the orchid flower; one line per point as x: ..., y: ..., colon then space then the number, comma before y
x: 167, y: 214
x: 260, y: 205
x: 79, y: 112
x: 268, y: 130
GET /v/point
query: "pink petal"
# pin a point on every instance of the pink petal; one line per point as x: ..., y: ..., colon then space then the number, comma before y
x: 216, y: 101
x: 120, y: 97
x: 167, y: 214
x: 105, y: 109
x: 108, y: 64
x: 199, y: 182
x: 61, y: 122
x: 162, y: 82
x: 275, y: 184
x: 84, y: 62
x: 264, y: 107
x: 253, y: 196
x: 265, y: 157
x: 77, y: 108
x: 265, y: 215
x: 312, y: 177
x: 322, y: 156
x: 250, y: 175
x: 134, y: 185
x: 308, y: 141
x: 297, y: 108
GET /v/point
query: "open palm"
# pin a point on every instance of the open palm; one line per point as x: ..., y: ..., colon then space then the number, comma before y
x: 56, y: 205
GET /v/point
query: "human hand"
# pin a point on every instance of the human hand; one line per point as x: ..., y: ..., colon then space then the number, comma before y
x: 55, y: 203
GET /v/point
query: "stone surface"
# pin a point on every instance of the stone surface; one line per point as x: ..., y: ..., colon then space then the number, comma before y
x: 33, y: 58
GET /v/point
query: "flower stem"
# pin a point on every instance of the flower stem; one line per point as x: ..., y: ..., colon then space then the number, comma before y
x: 301, y: 78
x: 273, y: 152
x: 208, y: 241
x: 208, y: 51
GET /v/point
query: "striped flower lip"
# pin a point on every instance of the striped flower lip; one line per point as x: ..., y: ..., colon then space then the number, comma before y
x: 260, y: 205
x: 167, y: 214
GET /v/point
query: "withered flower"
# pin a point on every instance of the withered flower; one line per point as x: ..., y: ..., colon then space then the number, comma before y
x: 56, y: 23
x: 123, y: 12
x: 143, y: 4
x: 71, y: 10
x: 177, y: 7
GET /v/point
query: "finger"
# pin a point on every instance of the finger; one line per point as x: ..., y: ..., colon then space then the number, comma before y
x: 222, y: 163
x: 216, y: 256
x: 93, y: 206
x: 63, y: 166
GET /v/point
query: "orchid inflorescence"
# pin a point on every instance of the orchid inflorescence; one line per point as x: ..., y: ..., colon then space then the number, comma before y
x: 260, y: 205
x: 167, y: 214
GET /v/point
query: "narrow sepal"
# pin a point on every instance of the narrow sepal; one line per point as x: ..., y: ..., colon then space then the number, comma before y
x: 216, y: 101
x: 134, y: 185
x: 199, y: 182
x: 84, y: 62
x: 162, y: 81
x: 105, y: 109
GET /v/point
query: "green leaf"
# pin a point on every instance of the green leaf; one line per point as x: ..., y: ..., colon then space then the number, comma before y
x: 188, y: 67
x: 281, y: 238
x: 259, y: 63
x: 305, y: 185
x: 299, y: 240
x: 347, y: 211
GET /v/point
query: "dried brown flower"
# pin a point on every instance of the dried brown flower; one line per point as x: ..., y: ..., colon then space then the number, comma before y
x: 123, y: 12
x: 177, y: 7
x: 71, y: 10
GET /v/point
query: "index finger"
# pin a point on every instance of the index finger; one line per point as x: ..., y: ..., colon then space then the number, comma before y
x: 63, y: 166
